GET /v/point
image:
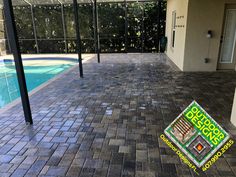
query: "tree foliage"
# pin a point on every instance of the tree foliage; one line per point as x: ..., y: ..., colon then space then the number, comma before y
x: 54, y: 37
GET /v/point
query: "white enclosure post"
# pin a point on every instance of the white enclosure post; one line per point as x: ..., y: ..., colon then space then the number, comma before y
x: 233, y: 115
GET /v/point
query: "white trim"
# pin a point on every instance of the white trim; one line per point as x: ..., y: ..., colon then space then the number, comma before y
x: 232, y: 55
x: 173, y: 29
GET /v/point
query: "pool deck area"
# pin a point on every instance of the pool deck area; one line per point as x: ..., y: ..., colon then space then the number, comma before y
x: 42, y: 60
x: 108, y: 123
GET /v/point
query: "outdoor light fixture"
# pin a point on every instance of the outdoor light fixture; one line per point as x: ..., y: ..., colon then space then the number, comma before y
x: 209, y: 34
x: 206, y: 60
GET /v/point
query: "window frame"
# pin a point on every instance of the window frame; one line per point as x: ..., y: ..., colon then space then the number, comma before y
x: 173, y: 29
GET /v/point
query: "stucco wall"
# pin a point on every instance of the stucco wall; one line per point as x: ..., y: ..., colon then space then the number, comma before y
x: 202, y: 15
x: 176, y: 54
x: 233, y: 115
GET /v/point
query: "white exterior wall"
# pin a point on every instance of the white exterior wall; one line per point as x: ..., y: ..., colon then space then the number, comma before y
x: 192, y: 45
x: 176, y: 54
x: 233, y: 115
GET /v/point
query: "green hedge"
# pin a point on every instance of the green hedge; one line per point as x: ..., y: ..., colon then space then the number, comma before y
x: 142, y: 35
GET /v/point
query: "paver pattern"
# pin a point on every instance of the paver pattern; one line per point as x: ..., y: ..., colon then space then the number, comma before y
x: 108, y: 123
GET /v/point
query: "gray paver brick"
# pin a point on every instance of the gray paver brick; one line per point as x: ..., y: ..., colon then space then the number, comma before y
x: 108, y: 123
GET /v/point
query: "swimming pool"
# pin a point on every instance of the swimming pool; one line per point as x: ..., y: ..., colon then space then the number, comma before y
x: 37, y: 72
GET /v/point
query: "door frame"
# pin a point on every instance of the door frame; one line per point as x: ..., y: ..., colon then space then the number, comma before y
x: 224, y: 65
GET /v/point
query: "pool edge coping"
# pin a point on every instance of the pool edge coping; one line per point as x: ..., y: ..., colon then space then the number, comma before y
x: 32, y: 92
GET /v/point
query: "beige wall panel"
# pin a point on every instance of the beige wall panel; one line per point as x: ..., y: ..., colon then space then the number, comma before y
x: 233, y: 115
x: 176, y: 54
x: 203, y: 15
x: 192, y: 45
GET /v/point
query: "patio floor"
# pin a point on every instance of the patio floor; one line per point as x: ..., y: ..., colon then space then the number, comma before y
x: 109, y: 122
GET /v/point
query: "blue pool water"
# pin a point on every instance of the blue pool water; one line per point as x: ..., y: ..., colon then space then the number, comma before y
x: 37, y: 72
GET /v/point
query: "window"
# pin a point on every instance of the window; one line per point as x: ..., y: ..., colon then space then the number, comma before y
x: 173, y: 29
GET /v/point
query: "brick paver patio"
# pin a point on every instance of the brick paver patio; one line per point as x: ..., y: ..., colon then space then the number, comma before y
x: 109, y: 123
